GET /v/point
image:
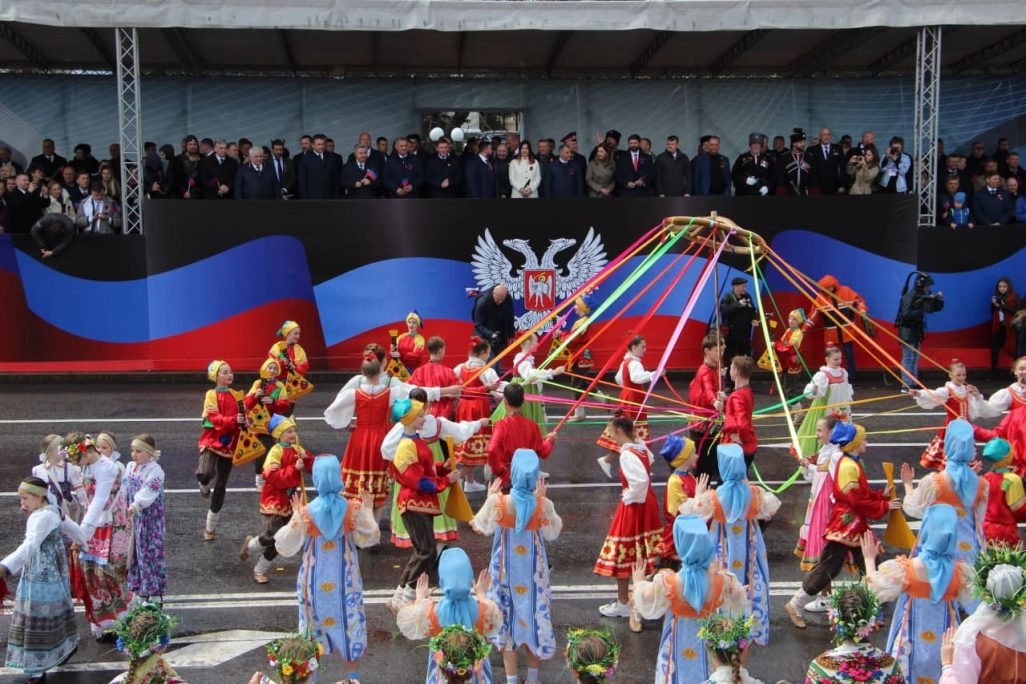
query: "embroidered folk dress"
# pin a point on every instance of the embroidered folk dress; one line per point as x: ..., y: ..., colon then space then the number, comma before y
x: 741, y: 547
x: 636, y: 530
x: 329, y: 585
x: 363, y: 468
x: 143, y: 487
x: 474, y: 405
x: 811, y: 535
x: 829, y: 388
x: 520, y: 573
x: 918, y: 625
x: 682, y: 656
x: 104, y: 558
x: 957, y: 403
x: 43, y: 631
x: 852, y: 663
x: 632, y: 378
x: 418, y: 621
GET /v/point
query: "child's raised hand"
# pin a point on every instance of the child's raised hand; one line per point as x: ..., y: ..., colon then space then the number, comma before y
x: 542, y: 488
x: 639, y: 571
x: 495, y: 486
x: 869, y: 546
x: 484, y: 580
x: 297, y: 501
x: 702, y: 485
x: 908, y: 474
x: 423, y: 587
x: 947, y: 652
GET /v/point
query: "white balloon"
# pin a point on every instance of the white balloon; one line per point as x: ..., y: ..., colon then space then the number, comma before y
x: 436, y: 133
x: 457, y: 134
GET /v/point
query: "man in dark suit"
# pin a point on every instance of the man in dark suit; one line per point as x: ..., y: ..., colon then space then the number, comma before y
x: 374, y: 157
x: 49, y: 161
x: 710, y: 170
x: 360, y: 180
x: 563, y: 178
x: 672, y: 170
x: 217, y: 173
x: 570, y: 140
x: 25, y: 204
x: 442, y: 172
x: 283, y: 168
x: 318, y: 175
x: 829, y: 165
x: 481, y: 172
x: 991, y: 204
x: 256, y: 179
x: 402, y: 177
x: 634, y: 173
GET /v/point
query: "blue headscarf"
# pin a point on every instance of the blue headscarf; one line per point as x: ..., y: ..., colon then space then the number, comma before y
x: 959, y: 449
x: 523, y: 478
x: 328, y: 510
x: 734, y: 494
x: 696, y: 550
x: 938, y: 541
x: 842, y: 434
x: 456, y: 580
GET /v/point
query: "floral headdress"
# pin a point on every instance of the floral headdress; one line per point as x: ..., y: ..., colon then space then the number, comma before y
x: 456, y: 660
x: 604, y: 668
x: 859, y: 626
x: 154, y: 640
x: 297, y: 668
x: 1009, y: 604
x: 75, y: 446
x: 728, y: 635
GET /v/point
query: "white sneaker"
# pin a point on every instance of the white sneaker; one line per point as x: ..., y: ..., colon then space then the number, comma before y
x: 615, y: 609
x: 817, y: 605
x: 259, y: 483
x: 204, y: 490
x: 471, y: 487
x: 606, y: 466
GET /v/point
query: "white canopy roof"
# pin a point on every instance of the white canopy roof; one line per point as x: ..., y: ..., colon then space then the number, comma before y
x: 496, y: 15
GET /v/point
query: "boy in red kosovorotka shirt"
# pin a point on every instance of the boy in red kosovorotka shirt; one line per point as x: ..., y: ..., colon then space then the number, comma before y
x: 737, y: 410
x: 513, y: 432
x: 283, y: 472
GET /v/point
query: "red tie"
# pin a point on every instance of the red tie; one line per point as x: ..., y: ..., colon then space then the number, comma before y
x: 635, y: 155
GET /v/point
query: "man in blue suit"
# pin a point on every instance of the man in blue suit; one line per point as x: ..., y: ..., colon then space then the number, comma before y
x: 991, y: 204
x: 481, y: 172
x: 635, y: 172
x: 710, y: 169
x: 318, y: 177
x: 563, y: 177
x: 256, y: 180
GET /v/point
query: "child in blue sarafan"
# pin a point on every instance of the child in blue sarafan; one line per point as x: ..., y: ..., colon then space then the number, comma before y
x: 959, y: 215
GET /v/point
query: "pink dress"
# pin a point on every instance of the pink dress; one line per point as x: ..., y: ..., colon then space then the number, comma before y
x: 817, y: 513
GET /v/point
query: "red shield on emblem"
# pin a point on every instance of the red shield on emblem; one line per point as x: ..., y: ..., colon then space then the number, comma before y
x: 539, y: 289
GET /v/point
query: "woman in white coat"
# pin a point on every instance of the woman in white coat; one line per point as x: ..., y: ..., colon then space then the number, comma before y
x: 524, y: 174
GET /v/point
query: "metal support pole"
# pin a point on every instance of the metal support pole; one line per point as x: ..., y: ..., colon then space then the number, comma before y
x: 130, y: 129
x: 928, y: 70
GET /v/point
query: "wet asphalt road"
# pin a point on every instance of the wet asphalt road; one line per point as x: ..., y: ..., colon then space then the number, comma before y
x: 212, y: 591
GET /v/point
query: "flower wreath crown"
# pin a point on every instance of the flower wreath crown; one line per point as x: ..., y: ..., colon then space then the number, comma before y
x: 459, y: 661
x: 604, y: 668
x: 860, y: 625
x: 297, y: 668
x: 1001, y: 554
x: 155, y: 640
x: 725, y: 634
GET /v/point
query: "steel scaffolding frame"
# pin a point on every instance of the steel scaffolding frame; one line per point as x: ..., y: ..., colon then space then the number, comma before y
x: 928, y: 72
x: 130, y: 129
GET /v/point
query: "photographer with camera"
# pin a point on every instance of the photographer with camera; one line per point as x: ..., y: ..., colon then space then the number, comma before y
x: 493, y: 319
x: 916, y: 302
x: 895, y: 167
x: 863, y: 169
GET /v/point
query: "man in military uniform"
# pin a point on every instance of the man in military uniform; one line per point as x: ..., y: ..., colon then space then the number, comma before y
x: 753, y: 172
x: 795, y: 173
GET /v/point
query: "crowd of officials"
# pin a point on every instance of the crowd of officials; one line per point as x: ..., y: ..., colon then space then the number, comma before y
x: 974, y: 189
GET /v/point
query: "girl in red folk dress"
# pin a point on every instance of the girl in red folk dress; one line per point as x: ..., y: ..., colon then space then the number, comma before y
x: 409, y: 347
x: 474, y: 405
x: 637, y: 528
x: 960, y: 400
x: 224, y: 412
x: 292, y: 361
x: 632, y: 378
x: 368, y: 398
